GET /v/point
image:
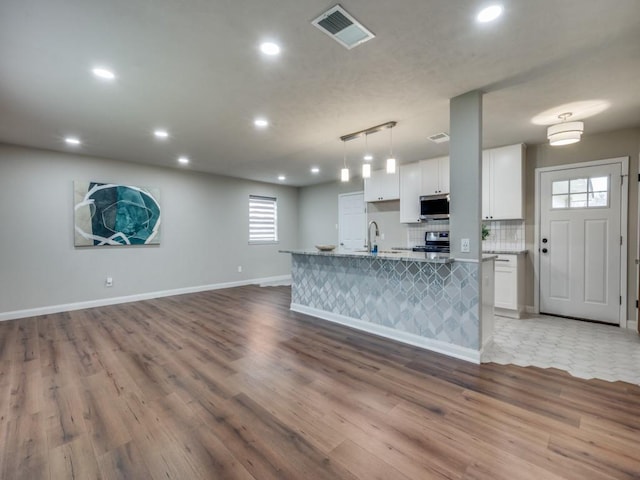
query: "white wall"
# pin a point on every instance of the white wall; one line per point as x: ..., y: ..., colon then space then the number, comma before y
x: 318, y: 212
x: 204, y: 231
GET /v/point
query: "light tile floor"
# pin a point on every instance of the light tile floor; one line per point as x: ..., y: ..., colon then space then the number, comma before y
x: 585, y: 350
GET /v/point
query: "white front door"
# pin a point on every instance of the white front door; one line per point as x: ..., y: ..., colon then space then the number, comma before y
x: 580, y: 242
x: 352, y: 221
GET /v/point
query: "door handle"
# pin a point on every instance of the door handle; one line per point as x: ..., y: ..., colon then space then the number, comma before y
x: 544, y: 240
x: 544, y: 250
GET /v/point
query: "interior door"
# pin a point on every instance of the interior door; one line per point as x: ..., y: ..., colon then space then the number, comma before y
x: 352, y: 220
x: 580, y: 241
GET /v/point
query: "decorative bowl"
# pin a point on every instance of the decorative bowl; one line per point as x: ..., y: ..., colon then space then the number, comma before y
x: 325, y: 248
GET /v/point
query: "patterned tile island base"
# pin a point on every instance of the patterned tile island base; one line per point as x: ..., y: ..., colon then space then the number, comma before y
x: 433, y: 305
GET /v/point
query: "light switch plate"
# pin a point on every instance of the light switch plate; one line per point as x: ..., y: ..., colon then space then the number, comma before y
x: 464, y: 245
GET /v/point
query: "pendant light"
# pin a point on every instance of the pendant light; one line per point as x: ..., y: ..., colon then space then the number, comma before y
x: 391, y: 161
x: 366, y: 167
x: 344, y: 173
x: 565, y: 133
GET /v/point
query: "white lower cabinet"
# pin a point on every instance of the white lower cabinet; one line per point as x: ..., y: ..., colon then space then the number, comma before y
x: 509, y: 285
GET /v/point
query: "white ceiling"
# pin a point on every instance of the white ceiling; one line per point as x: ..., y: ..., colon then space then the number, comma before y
x: 194, y: 67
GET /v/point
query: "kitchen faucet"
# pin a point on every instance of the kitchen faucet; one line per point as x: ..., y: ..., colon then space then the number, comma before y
x: 369, y: 246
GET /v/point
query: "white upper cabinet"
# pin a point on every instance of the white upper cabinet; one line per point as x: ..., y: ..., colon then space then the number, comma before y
x: 503, y: 183
x: 382, y: 186
x: 435, y: 176
x: 410, y: 191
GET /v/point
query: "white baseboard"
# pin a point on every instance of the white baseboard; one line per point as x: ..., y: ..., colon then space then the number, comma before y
x: 632, y: 325
x: 449, y: 349
x: 67, y: 307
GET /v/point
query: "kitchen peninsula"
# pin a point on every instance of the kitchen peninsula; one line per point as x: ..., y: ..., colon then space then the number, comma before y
x: 423, y: 299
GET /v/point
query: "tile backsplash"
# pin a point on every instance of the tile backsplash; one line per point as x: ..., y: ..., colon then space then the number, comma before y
x: 504, y: 234
x: 415, y: 232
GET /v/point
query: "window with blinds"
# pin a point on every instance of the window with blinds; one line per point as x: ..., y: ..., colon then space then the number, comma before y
x: 263, y: 219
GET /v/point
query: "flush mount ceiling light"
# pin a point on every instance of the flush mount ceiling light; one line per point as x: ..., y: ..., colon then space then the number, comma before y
x: 315, y: 170
x: 183, y: 160
x: 103, y: 73
x: 270, y: 48
x: 565, y: 133
x: 489, y: 13
x: 75, y: 141
x: 366, y: 168
x: 161, y: 134
x: 282, y: 178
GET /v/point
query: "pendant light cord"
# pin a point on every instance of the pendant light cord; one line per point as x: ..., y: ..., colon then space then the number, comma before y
x: 344, y: 145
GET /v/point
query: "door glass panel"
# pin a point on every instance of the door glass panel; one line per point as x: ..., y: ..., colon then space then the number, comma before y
x: 578, y: 200
x: 560, y: 201
x: 580, y: 193
x: 578, y: 185
x: 598, y: 192
x: 599, y: 184
x: 599, y: 199
x: 560, y: 186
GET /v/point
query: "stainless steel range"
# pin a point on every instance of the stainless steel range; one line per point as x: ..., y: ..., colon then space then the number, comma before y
x: 434, y: 242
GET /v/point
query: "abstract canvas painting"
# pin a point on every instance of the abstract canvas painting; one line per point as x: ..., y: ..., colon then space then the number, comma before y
x: 112, y: 214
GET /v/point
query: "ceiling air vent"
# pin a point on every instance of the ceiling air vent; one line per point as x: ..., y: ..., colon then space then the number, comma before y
x: 439, y: 138
x: 342, y: 27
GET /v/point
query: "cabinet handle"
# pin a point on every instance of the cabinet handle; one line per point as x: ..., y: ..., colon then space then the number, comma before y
x: 544, y: 250
x: 501, y: 260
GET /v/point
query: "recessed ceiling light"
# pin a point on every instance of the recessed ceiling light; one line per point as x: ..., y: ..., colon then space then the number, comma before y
x: 489, y: 14
x: 183, y: 160
x: 261, y: 122
x: 72, y: 141
x: 161, y: 133
x: 368, y: 158
x: 104, y: 73
x: 282, y: 178
x: 270, y: 48
x: 315, y: 170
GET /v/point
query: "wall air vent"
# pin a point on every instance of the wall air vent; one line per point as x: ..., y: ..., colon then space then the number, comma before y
x: 342, y: 27
x: 439, y: 138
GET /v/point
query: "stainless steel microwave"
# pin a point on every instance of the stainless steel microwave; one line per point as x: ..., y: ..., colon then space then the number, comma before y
x: 434, y: 207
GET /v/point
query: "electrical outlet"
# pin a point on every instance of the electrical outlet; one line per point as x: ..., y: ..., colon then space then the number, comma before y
x: 239, y: 268
x: 464, y: 245
x: 108, y: 282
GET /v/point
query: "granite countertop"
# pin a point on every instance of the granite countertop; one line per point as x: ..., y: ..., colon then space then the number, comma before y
x: 394, y: 255
x: 506, y: 252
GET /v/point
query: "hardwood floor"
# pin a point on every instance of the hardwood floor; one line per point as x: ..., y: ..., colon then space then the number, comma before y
x: 232, y: 385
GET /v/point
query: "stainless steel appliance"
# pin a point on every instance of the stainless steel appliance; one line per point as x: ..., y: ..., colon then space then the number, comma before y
x: 434, y: 207
x: 434, y: 242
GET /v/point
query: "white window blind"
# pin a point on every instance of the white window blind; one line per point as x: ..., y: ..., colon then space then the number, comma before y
x: 263, y: 219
